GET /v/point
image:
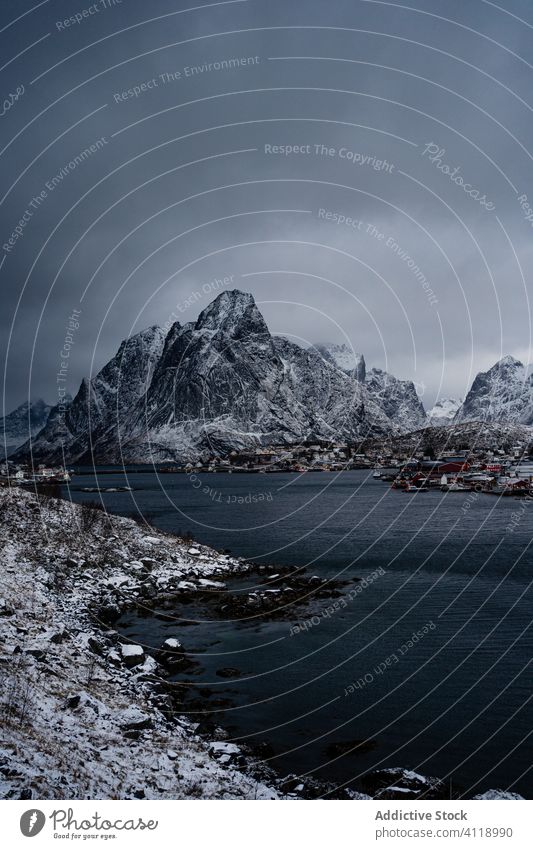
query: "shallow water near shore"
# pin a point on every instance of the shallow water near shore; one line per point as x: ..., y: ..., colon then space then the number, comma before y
x: 453, y: 701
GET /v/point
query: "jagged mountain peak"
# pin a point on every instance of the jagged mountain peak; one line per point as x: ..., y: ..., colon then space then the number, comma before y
x: 233, y: 313
x: 508, y: 360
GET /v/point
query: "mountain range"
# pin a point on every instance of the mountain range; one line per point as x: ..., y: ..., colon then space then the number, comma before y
x: 224, y: 382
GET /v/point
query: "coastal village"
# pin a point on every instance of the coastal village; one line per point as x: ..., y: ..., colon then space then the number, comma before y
x: 500, y: 471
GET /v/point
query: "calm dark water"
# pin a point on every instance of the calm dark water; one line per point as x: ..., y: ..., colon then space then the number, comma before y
x: 457, y: 703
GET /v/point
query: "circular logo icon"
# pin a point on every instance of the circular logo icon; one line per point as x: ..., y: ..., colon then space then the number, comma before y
x: 32, y: 822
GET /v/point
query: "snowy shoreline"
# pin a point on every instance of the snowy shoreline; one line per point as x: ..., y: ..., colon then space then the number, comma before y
x: 85, y: 715
x: 78, y: 720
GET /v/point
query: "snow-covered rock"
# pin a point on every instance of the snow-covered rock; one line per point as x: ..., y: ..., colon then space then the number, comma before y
x: 225, y: 753
x: 132, y: 655
x: 172, y: 643
x: 493, y: 795
x: 400, y: 783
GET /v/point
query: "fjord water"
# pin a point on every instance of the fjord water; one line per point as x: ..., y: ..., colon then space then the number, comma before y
x: 455, y: 702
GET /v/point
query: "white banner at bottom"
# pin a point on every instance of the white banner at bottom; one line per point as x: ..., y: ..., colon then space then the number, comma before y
x: 264, y: 824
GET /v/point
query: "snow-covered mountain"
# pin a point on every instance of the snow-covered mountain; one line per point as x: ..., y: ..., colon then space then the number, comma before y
x: 504, y: 393
x: 344, y: 358
x: 217, y: 384
x: 443, y: 412
x: 224, y: 382
x: 25, y: 421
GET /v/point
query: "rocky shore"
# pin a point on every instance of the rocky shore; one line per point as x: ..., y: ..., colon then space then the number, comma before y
x: 86, y: 714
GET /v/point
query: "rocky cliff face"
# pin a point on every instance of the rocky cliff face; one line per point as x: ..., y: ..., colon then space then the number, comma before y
x: 504, y: 393
x: 397, y: 398
x: 222, y: 383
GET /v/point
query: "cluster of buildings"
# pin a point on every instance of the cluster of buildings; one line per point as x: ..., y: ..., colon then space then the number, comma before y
x: 314, y: 456
x: 461, y: 469
x: 16, y: 474
x: 500, y: 474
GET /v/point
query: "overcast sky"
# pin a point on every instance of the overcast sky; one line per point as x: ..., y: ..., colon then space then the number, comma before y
x: 390, y: 109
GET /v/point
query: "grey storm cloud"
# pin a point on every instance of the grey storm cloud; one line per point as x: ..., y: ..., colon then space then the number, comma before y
x: 361, y: 167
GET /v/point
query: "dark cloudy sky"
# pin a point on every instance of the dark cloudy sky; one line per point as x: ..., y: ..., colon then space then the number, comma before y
x: 182, y: 190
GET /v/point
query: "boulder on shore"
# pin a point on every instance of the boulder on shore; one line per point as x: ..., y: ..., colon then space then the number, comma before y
x: 132, y: 655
